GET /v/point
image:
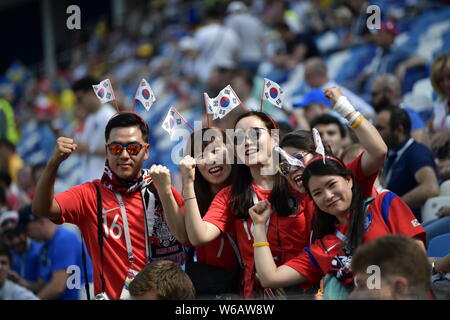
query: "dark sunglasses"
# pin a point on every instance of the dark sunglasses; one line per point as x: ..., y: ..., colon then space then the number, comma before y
x: 254, y: 134
x: 285, y: 167
x: 133, y: 148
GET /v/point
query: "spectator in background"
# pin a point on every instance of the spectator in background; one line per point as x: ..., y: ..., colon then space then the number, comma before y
x: 440, y: 125
x: 409, y: 170
x: 11, y: 193
x: 8, y: 289
x: 242, y: 83
x: 9, y: 159
x: 403, y: 265
x: 314, y: 104
x: 385, y: 92
x: 316, y: 76
x: 217, y: 44
x: 331, y: 131
x: 162, y: 280
x: 61, y: 249
x: 25, y: 252
x: 38, y: 134
x: 294, y: 49
x: 251, y: 35
x: 8, y: 129
x: 91, y: 143
x: 388, y: 58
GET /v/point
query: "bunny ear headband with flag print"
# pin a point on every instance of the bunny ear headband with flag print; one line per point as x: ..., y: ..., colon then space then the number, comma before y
x: 320, y: 150
x: 222, y: 104
x: 105, y: 92
x: 174, y: 121
x: 144, y: 94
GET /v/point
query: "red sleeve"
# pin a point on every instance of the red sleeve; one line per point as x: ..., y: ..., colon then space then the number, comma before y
x: 219, y: 212
x: 365, y: 183
x: 399, y: 217
x: 73, y: 202
x: 306, y: 265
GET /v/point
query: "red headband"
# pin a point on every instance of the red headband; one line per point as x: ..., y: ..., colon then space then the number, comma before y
x: 319, y: 157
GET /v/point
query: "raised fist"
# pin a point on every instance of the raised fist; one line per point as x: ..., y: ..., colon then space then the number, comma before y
x: 63, y: 149
x: 187, y: 168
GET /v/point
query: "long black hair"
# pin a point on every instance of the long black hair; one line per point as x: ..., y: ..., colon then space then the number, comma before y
x: 201, y: 186
x: 324, y: 223
x: 282, y: 200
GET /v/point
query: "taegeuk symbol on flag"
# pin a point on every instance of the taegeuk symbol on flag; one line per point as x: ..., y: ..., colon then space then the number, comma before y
x: 272, y: 92
x: 225, y: 101
x: 145, y: 94
x: 173, y: 121
x: 104, y: 91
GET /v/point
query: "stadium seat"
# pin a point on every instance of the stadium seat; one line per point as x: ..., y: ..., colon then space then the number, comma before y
x: 432, y: 206
x: 444, y: 189
x: 439, y: 246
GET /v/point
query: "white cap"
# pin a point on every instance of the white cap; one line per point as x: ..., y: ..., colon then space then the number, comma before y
x: 187, y: 43
x: 236, y: 6
x: 7, y: 217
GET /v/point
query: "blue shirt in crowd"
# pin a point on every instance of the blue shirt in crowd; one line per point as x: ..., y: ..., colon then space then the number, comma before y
x: 27, y: 264
x: 61, y: 252
x: 403, y: 169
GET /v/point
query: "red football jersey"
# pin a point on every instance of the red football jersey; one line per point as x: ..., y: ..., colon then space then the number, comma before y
x: 79, y: 206
x: 387, y: 214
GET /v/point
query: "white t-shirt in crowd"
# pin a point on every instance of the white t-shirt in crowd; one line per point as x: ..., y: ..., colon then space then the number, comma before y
x: 218, y: 46
x: 93, y: 136
x: 251, y: 35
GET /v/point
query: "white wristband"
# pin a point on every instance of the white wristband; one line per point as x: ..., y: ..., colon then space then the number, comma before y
x: 355, y: 117
x: 343, y: 107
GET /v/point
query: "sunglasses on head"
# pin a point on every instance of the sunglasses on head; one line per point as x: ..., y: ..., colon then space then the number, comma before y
x: 285, y: 167
x: 133, y: 148
x: 253, y: 134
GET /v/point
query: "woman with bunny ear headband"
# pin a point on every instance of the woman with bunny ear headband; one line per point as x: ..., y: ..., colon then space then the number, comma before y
x: 344, y: 220
x: 365, y: 167
x: 254, y: 178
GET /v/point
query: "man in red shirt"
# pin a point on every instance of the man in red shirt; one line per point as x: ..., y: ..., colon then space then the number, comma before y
x: 130, y: 230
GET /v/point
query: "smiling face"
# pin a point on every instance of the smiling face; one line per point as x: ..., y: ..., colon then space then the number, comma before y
x: 295, y: 175
x: 124, y: 165
x: 254, y: 147
x: 212, y: 163
x: 331, y: 193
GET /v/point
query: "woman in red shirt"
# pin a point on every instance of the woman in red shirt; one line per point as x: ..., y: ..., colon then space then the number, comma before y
x: 205, y: 172
x: 254, y: 178
x: 344, y: 219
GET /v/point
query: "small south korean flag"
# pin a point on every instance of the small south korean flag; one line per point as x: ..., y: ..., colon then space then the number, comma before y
x: 211, y: 109
x: 318, y: 143
x: 145, y: 94
x: 104, y: 91
x: 173, y: 121
x: 290, y: 159
x: 225, y: 101
x: 273, y: 92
